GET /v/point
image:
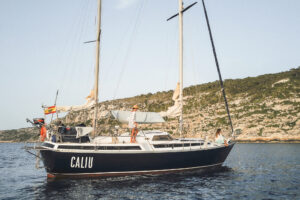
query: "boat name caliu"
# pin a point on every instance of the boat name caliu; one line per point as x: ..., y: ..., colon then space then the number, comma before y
x: 82, y: 162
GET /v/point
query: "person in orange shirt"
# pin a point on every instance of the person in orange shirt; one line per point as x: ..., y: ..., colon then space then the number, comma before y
x: 43, y: 132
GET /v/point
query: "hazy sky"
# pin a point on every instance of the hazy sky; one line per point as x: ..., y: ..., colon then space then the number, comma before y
x: 42, y: 48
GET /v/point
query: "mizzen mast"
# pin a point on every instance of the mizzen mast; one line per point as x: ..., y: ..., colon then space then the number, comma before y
x: 180, y: 67
x: 97, y: 67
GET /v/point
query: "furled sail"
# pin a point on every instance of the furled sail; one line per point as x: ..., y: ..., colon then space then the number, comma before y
x: 83, y: 131
x: 141, y: 117
x: 174, y: 110
x: 90, y: 102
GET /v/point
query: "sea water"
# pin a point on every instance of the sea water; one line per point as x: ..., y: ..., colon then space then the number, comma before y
x: 252, y: 171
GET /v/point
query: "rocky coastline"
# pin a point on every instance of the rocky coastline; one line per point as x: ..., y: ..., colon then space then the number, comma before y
x: 264, y: 109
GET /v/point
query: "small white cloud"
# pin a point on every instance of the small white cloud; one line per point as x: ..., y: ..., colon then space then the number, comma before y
x: 122, y: 4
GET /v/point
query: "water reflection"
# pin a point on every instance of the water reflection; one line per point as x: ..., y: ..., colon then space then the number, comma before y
x: 129, y: 186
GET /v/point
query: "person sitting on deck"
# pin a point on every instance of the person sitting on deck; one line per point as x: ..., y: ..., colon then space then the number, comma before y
x: 219, y: 139
x: 132, y: 124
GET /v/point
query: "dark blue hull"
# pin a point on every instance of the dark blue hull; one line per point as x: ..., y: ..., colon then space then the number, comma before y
x: 115, y: 164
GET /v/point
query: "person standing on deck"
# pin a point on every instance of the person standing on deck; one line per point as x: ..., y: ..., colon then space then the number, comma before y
x: 43, y: 132
x: 132, y: 124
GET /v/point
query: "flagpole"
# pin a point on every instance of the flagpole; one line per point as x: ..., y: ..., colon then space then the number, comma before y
x: 55, y: 106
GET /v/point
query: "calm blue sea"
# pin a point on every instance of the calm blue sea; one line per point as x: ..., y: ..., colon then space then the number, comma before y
x: 252, y: 171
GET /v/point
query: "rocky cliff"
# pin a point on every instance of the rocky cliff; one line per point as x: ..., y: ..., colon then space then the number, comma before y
x: 263, y: 108
x: 20, y: 135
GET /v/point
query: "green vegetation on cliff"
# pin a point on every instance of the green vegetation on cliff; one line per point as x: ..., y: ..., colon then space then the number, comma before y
x: 20, y: 135
x: 257, y: 89
x: 261, y: 106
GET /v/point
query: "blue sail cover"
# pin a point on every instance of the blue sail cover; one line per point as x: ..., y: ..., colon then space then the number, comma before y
x: 141, y: 117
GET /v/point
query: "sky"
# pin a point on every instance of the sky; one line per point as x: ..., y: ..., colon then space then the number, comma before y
x: 42, y: 48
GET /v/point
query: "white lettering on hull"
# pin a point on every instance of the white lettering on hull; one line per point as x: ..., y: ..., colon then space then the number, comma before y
x: 82, y: 162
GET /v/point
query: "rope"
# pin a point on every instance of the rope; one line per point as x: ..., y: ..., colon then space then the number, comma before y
x: 33, y: 154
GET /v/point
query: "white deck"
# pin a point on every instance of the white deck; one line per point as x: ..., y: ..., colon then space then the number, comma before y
x: 147, y: 141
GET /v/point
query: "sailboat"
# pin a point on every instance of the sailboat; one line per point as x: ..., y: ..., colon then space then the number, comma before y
x: 77, y: 152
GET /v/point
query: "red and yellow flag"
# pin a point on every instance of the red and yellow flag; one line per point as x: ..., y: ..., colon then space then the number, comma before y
x: 49, y: 110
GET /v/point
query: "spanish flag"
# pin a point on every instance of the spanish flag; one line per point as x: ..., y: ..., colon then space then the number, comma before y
x: 49, y: 110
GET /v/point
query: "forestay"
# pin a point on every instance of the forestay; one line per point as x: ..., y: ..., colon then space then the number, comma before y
x: 141, y: 117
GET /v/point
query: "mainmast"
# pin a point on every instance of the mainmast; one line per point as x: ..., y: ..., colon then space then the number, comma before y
x: 181, y: 10
x: 180, y: 66
x: 97, y: 67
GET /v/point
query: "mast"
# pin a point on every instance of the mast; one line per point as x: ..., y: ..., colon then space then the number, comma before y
x: 97, y: 67
x: 180, y: 17
x: 180, y: 66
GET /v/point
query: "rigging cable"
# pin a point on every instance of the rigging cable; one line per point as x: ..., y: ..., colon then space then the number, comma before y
x: 218, y: 68
x: 76, y: 62
x: 72, y: 53
x: 62, y: 53
x: 168, y: 55
x: 135, y: 28
x: 73, y: 67
x: 117, y: 53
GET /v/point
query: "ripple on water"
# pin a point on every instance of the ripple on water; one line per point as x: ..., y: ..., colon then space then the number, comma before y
x: 252, y: 171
